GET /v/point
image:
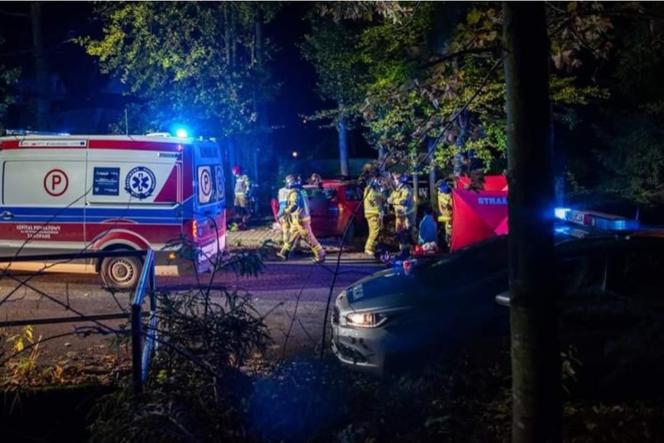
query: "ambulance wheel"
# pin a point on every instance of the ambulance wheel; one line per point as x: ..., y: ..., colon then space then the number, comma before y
x: 120, y: 273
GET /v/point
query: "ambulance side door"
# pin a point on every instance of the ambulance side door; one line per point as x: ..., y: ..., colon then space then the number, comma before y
x: 43, y: 198
x: 134, y: 197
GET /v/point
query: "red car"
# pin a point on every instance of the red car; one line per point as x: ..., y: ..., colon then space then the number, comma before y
x: 332, y: 205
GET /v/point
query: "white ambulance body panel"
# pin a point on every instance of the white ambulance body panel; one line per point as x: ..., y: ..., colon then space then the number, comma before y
x: 139, y: 176
x: 41, y: 177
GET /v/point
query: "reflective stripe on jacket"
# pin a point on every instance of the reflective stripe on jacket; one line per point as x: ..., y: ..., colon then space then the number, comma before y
x: 282, y: 198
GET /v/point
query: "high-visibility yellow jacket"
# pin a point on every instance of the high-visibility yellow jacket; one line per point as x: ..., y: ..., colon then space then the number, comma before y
x: 282, y: 197
x: 242, y: 185
x: 297, y: 205
x: 402, y: 200
x: 444, y: 206
x: 373, y: 200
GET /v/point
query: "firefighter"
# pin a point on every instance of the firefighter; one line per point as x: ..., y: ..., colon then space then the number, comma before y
x: 374, y: 202
x: 403, y: 203
x: 297, y: 209
x: 444, y: 203
x: 282, y: 217
x: 241, y: 202
x: 476, y: 181
x: 316, y: 180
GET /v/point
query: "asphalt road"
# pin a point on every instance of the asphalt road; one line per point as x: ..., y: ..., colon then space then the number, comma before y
x: 291, y: 295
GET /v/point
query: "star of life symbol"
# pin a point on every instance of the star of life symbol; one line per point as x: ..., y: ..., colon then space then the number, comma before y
x: 140, y: 182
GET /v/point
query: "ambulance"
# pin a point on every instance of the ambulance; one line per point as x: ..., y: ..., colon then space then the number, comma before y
x: 69, y: 193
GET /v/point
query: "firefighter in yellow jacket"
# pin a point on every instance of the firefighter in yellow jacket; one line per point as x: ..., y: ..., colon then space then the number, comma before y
x: 374, y: 202
x: 444, y: 201
x: 297, y: 209
x: 284, y: 219
x: 403, y: 203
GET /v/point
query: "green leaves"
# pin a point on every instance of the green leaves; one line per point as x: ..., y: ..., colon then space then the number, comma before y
x: 417, y: 92
x: 634, y: 160
x: 331, y: 48
x: 186, y: 62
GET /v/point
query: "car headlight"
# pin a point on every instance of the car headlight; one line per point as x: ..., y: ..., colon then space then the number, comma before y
x: 365, y: 319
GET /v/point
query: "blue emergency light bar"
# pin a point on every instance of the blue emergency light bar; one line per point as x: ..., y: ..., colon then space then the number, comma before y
x: 597, y: 220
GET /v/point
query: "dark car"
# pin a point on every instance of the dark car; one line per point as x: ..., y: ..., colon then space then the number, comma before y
x: 332, y: 205
x: 610, y: 289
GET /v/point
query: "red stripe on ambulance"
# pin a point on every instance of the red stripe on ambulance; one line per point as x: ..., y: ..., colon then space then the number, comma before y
x: 169, y: 192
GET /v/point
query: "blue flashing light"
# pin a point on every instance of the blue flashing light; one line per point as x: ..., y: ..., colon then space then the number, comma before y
x: 596, y: 220
x: 181, y: 133
x: 560, y: 213
x: 616, y: 225
x: 561, y: 230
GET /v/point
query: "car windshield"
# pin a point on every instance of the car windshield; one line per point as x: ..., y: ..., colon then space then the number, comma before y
x: 353, y: 193
x: 315, y: 192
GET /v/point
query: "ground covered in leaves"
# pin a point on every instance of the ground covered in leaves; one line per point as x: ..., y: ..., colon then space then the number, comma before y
x: 309, y: 399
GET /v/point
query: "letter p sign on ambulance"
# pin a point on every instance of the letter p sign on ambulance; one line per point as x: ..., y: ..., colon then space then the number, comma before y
x: 56, y: 182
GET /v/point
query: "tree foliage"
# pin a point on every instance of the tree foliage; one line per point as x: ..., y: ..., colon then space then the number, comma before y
x: 631, y: 151
x: 433, y: 75
x: 634, y: 160
x: 455, y: 96
x: 330, y: 47
x: 186, y: 62
x: 8, y: 77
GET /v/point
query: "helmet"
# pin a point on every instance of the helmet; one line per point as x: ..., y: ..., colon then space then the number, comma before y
x: 370, y: 170
x: 293, y: 181
x: 375, y: 183
x: 236, y: 170
x: 443, y: 187
x: 315, y: 179
x: 401, y: 178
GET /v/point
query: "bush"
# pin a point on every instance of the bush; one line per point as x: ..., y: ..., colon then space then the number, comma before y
x: 206, y: 341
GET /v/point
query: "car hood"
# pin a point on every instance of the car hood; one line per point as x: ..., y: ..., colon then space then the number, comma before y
x: 390, y: 288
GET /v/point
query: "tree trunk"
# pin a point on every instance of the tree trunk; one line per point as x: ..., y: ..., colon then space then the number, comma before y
x: 342, y: 130
x: 259, y: 100
x: 227, y: 35
x: 41, y: 69
x: 559, y: 179
x: 431, y: 147
x: 535, y: 354
x: 416, y: 189
x: 232, y: 153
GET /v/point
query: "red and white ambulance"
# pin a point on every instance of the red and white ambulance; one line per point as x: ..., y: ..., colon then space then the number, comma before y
x: 82, y: 193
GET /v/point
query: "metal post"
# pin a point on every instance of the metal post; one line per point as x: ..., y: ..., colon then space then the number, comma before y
x: 153, y: 289
x: 136, y: 348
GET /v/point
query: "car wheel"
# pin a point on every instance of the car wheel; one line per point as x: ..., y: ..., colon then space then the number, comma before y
x: 120, y: 273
